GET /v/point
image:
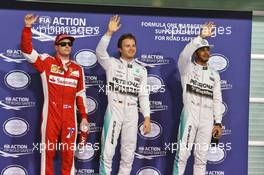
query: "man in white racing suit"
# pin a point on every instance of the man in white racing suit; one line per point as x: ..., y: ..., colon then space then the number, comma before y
x: 201, y: 115
x: 126, y: 85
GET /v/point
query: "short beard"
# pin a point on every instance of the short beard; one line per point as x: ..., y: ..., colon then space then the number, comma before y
x: 201, y: 60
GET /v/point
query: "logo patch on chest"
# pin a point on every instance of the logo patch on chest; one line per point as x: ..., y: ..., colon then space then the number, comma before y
x: 75, y: 73
x: 137, y: 79
x: 56, y: 69
x: 136, y: 71
x: 63, y: 81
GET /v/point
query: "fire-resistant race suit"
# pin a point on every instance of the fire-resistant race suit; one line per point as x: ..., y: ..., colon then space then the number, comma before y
x: 202, y: 101
x: 126, y: 84
x: 63, y: 87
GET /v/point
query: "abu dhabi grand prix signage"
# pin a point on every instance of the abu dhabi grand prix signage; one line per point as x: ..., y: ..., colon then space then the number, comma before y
x: 161, y: 35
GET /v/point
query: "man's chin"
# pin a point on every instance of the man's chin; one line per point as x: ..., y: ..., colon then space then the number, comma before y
x: 67, y: 53
x: 205, y: 60
x: 130, y: 57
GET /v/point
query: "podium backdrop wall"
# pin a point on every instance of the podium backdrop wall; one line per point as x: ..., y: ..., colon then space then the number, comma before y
x: 161, y: 35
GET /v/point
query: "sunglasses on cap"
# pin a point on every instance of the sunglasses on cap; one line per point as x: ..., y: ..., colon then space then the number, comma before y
x: 63, y: 44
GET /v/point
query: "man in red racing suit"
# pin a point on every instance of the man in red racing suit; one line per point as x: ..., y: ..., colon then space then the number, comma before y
x: 64, y: 89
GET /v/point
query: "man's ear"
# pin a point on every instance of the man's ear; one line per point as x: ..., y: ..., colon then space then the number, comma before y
x: 195, y: 55
x: 119, y: 50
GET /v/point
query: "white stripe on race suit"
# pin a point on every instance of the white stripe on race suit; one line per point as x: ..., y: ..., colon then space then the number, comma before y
x: 44, y: 123
x: 63, y: 81
x: 32, y: 57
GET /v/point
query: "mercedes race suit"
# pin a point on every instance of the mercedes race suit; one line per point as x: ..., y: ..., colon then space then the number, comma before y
x: 202, y: 100
x: 126, y: 85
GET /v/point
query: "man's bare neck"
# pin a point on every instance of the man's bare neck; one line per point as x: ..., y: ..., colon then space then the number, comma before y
x: 63, y: 58
x: 129, y: 60
x: 202, y: 63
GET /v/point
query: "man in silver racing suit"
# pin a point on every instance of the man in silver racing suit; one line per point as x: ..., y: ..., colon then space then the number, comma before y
x: 126, y: 85
x: 201, y: 115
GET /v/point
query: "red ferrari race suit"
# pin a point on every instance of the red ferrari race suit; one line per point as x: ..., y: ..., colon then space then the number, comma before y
x: 63, y: 87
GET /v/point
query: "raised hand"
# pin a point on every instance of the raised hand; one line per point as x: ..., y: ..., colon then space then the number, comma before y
x: 30, y: 19
x: 113, y: 25
x: 208, y: 30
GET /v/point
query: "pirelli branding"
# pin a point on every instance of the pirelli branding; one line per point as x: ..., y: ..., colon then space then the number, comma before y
x: 199, y: 88
x: 63, y: 81
x: 75, y: 73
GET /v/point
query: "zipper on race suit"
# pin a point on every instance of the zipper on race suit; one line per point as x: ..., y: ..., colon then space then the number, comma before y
x: 201, y: 99
x: 64, y: 77
x: 65, y: 74
x: 125, y: 101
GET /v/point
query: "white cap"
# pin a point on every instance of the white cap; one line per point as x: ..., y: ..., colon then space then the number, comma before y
x: 203, y: 43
